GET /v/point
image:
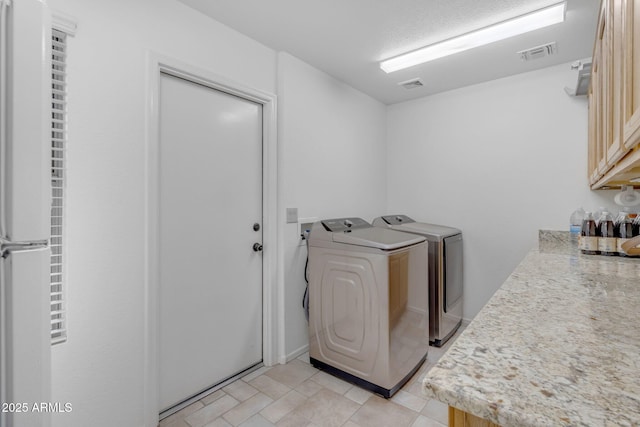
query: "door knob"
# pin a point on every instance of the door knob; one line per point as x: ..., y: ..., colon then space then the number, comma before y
x: 257, y: 247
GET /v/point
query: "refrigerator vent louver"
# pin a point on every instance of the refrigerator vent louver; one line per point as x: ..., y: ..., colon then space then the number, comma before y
x: 538, y: 52
x: 411, y: 84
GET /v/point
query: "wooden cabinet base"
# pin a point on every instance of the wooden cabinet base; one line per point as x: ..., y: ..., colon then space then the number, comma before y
x: 622, y: 173
x: 458, y: 418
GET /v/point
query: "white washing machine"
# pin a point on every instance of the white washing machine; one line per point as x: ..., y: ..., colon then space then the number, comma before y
x: 368, y: 303
x: 445, y: 273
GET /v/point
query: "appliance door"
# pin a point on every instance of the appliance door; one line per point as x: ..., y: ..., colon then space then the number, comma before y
x: 452, y: 264
x: 25, y: 194
x: 26, y: 342
x: 25, y: 175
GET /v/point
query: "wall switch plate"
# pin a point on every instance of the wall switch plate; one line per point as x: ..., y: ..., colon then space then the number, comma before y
x: 292, y: 215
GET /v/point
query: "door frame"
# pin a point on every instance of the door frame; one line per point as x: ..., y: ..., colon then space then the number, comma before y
x: 271, y: 330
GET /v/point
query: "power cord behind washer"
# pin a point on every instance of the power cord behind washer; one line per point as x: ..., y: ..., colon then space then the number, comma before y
x: 305, y: 297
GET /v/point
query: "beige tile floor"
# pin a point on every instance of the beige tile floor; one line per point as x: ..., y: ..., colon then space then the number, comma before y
x: 297, y: 394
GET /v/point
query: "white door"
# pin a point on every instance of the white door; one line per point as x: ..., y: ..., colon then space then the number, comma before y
x: 210, y: 187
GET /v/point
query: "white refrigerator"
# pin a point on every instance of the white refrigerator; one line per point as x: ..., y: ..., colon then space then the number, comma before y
x: 25, y: 205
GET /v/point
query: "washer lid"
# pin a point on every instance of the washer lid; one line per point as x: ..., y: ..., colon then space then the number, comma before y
x: 431, y: 230
x: 376, y: 237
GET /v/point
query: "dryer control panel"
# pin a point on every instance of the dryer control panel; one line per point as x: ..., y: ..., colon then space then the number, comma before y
x: 396, y: 219
x: 344, y: 224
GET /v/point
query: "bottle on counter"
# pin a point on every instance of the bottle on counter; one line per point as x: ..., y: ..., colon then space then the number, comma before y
x: 598, y: 214
x: 607, y: 242
x: 589, y: 235
x: 624, y: 232
x: 626, y: 210
x: 575, y: 225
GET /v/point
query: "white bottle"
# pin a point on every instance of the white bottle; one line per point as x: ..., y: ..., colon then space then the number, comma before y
x: 575, y: 225
x: 598, y: 214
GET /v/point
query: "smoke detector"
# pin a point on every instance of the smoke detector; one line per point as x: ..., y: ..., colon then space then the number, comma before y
x: 411, y: 84
x: 537, y: 52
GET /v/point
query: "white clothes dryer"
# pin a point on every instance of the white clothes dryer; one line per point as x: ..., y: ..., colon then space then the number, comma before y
x: 368, y: 303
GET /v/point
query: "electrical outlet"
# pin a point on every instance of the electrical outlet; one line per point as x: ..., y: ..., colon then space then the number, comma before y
x: 305, y: 224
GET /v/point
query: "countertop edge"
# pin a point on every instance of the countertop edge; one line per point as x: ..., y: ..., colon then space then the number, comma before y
x: 589, y: 276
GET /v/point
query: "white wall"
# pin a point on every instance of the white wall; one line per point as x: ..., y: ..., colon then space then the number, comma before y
x: 332, y: 161
x: 100, y: 368
x: 498, y: 160
x: 332, y: 164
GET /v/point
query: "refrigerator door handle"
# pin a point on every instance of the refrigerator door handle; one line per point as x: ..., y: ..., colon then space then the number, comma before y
x: 7, y: 246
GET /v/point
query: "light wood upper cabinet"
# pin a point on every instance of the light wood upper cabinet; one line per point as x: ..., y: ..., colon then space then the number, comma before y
x: 615, y: 149
x: 630, y: 15
x: 592, y: 158
x: 614, y: 96
x: 601, y: 90
x: 601, y: 97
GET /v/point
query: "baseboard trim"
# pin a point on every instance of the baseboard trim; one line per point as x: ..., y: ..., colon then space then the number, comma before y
x: 296, y: 353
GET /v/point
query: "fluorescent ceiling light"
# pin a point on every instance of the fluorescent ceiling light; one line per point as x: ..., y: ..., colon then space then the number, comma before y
x: 502, y: 30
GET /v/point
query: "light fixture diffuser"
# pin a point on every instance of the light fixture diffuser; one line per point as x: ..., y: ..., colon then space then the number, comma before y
x: 500, y: 31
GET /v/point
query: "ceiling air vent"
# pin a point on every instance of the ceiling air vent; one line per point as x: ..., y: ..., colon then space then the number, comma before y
x: 411, y: 84
x: 538, y: 51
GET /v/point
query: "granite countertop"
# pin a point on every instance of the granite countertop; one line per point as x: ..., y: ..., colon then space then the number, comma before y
x: 557, y: 345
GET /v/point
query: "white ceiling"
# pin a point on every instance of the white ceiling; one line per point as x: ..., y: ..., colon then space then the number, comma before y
x: 347, y: 38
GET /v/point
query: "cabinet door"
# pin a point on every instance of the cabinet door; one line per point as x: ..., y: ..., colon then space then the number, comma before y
x: 614, y: 53
x: 596, y: 108
x: 592, y: 159
x: 603, y: 116
x: 631, y: 72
